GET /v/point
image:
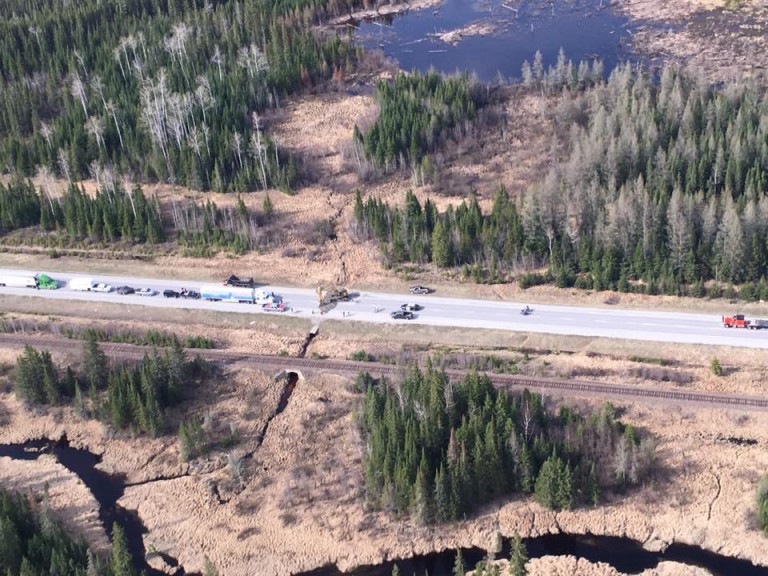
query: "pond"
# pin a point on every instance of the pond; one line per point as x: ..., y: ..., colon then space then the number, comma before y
x: 513, y: 32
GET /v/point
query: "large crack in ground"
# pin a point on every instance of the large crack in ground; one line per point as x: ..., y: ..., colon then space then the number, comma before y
x: 717, y: 495
x: 291, y: 380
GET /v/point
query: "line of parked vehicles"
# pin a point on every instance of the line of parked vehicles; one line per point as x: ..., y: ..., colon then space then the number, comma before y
x: 233, y: 289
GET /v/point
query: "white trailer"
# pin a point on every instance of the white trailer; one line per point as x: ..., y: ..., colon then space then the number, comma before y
x: 18, y: 281
x: 217, y: 293
x: 82, y: 284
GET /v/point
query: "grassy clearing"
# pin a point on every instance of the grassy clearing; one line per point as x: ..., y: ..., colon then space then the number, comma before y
x: 434, y: 337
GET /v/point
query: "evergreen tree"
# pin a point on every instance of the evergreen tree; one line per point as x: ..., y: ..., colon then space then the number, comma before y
x: 120, y: 558
x: 441, y: 255
x: 459, y: 569
x: 762, y: 504
x: 95, y: 362
x: 518, y: 557
x: 208, y: 568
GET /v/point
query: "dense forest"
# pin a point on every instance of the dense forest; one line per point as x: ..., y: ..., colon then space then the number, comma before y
x: 128, y: 396
x: 117, y: 213
x: 33, y: 543
x: 438, y: 449
x: 417, y: 111
x: 661, y: 189
x: 169, y: 90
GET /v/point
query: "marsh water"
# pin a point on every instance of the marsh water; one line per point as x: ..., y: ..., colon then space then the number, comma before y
x: 624, y: 554
x: 515, y: 30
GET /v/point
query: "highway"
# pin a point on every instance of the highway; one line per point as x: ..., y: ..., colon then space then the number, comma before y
x: 374, y: 307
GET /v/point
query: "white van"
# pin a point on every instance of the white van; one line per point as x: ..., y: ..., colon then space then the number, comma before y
x: 82, y: 284
x: 18, y: 281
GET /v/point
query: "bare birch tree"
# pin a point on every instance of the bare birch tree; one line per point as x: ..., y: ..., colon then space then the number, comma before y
x: 77, y: 89
x: 218, y: 59
x: 63, y: 162
x: 46, y: 132
x: 94, y: 125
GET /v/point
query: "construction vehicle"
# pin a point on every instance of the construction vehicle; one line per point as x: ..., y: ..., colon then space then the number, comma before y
x: 736, y: 321
x: 327, y: 296
x: 238, y: 282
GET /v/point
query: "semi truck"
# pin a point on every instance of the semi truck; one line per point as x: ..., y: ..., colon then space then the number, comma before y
x: 45, y: 282
x: 18, y: 281
x: 740, y: 321
x: 217, y: 293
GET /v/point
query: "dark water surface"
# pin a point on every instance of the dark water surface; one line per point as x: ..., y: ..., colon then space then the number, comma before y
x: 106, y: 488
x: 624, y: 554
x: 583, y: 28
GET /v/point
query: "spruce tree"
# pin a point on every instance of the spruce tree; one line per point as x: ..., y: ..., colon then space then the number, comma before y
x: 208, y: 568
x: 95, y: 361
x: 120, y: 558
x: 518, y: 557
x: 459, y: 569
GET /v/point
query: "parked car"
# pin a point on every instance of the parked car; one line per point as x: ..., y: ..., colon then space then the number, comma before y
x: 410, y: 307
x: 146, y: 292
x: 190, y: 294
x: 103, y: 287
x: 401, y: 315
x: 125, y: 290
x: 419, y: 289
x: 240, y: 282
x: 171, y: 294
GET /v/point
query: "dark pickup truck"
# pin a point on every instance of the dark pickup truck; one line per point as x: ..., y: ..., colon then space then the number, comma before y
x: 240, y: 282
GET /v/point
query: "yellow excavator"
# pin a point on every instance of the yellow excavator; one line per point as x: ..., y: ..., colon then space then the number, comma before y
x: 326, y: 296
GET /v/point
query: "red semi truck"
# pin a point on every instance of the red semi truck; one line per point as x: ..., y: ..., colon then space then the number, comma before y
x: 739, y: 321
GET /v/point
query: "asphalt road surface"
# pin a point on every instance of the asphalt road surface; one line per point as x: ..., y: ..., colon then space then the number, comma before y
x: 452, y: 312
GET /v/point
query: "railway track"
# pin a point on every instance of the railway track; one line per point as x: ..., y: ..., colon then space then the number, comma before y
x: 509, y: 381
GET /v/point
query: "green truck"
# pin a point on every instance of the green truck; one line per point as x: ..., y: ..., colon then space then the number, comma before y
x: 45, y: 282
